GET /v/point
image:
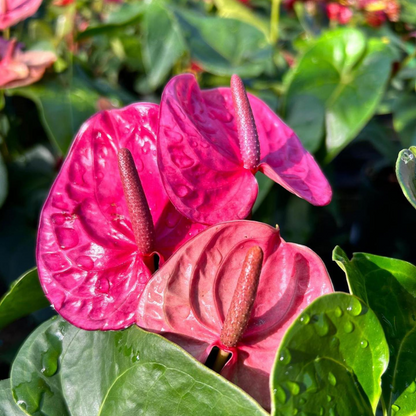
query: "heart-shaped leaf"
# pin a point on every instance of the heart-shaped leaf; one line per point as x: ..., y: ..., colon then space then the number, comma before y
x: 406, y: 173
x: 330, y: 360
x: 225, y: 46
x: 8, y: 406
x: 162, y: 42
x: 348, y: 74
x: 62, y: 370
x: 388, y: 286
x: 24, y: 297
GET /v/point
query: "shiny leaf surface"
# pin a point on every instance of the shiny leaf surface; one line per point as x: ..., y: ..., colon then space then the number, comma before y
x: 8, y: 406
x: 24, y: 297
x: 388, y: 286
x: 348, y: 75
x: 406, y: 173
x: 330, y: 360
x: 128, y: 372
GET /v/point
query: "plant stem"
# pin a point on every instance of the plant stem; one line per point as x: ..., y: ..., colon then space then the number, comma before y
x: 274, y: 21
x: 220, y: 360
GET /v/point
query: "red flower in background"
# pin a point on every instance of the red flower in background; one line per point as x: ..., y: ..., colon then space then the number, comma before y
x: 101, y: 225
x: 19, y: 68
x: 14, y: 11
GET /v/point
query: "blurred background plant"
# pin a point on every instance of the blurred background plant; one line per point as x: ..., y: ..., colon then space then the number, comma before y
x: 341, y: 74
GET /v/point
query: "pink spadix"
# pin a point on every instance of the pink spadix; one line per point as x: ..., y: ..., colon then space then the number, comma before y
x: 246, y: 125
x: 140, y: 217
x: 212, y: 142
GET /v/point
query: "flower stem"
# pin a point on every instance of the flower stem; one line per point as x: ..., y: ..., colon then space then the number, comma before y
x: 220, y: 360
x: 274, y: 21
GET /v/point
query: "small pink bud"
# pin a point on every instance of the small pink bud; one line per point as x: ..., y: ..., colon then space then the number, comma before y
x: 246, y: 126
x: 140, y: 217
x: 238, y: 314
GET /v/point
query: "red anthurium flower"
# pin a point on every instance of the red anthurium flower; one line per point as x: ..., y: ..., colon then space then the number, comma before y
x: 211, y: 143
x: 13, y: 11
x: 190, y: 299
x: 19, y: 68
x: 102, y: 222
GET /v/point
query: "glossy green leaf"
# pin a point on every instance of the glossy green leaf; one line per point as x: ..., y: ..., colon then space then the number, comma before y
x: 348, y: 75
x: 3, y: 181
x: 8, y: 406
x: 63, y: 107
x: 306, y: 116
x: 86, y: 373
x: 24, y: 297
x: 225, y: 46
x: 35, y: 375
x: 163, y: 44
x: 128, y: 14
x: 406, y: 173
x: 404, y: 119
x: 330, y: 360
x: 388, y: 286
x: 234, y: 9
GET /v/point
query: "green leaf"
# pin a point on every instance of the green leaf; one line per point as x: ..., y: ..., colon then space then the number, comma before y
x: 404, y: 119
x: 163, y: 44
x: 388, y: 286
x: 86, y: 373
x: 8, y: 407
x: 35, y: 375
x: 406, y: 173
x: 225, y: 46
x: 348, y: 75
x: 306, y: 116
x: 3, y: 181
x: 233, y: 9
x: 330, y: 360
x: 127, y: 15
x: 24, y: 297
x: 63, y: 106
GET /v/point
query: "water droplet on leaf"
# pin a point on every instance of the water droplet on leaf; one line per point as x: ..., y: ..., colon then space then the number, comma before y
x: 332, y: 380
x: 355, y: 307
x: 364, y: 343
x: 280, y: 394
x: 348, y: 327
x: 407, y: 156
x: 338, y: 312
x: 293, y: 387
x: 285, y: 357
x: 304, y: 319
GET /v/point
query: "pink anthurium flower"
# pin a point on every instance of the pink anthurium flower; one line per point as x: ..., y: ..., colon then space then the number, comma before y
x: 236, y: 286
x: 19, y: 68
x: 211, y: 143
x: 103, y: 222
x: 14, y: 11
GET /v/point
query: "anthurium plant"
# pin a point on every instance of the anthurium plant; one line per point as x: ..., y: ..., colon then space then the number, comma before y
x: 169, y: 287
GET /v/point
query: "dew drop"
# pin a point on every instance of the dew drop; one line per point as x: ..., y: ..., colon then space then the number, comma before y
x: 285, y: 357
x: 321, y: 411
x: 355, y: 307
x: 328, y: 398
x: 395, y: 408
x: 302, y: 401
x: 67, y: 237
x: 304, y: 319
x: 338, y: 312
x: 139, y: 165
x: 181, y: 160
x: 280, y: 394
x: 85, y: 262
x: 332, y: 412
x: 182, y: 191
x: 172, y: 219
x: 332, y: 380
x: 412, y: 387
x: 173, y: 135
x: 103, y: 285
x: 364, y: 343
x: 322, y: 325
x: 348, y: 327
x: 295, y: 411
x: 407, y: 156
x: 293, y: 387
